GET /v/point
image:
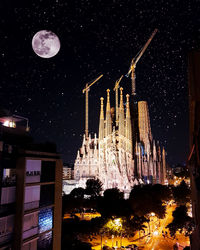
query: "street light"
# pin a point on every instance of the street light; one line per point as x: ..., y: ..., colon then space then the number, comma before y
x: 118, y: 222
x: 155, y: 233
x: 112, y: 239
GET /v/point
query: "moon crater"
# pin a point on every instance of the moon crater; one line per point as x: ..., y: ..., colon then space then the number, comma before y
x: 46, y: 44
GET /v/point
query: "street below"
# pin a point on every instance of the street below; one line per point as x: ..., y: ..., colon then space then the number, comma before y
x: 154, y: 237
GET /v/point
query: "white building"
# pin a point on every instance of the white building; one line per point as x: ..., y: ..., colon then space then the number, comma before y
x: 120, y: 157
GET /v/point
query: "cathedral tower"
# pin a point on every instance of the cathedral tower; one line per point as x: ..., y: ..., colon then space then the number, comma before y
x: 128, y: 129
x: 124, y: 154
x: 101, y: 121
x: 121, y: 114
x: 108, y: 128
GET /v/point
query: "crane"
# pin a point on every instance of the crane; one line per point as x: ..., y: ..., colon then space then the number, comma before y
x: 116, y: 97
x: 136, y: 59
x: 86, y: 90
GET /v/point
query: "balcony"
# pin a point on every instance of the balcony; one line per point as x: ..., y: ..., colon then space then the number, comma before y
x: 29, y: 233
x: 31, y: 205
x: 32, y: 176
x: 9, y: 181
x: 8, y: 195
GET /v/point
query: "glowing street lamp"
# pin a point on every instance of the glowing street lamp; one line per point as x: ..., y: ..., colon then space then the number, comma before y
x: 118, y: 222
x: 155, y: 233
x: 112, y: 239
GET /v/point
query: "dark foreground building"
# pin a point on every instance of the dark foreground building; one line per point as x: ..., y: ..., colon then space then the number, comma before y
x: 30, y: 190
x: 194, y: 157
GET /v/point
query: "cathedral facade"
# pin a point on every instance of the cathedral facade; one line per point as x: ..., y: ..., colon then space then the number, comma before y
x: 124, y: 154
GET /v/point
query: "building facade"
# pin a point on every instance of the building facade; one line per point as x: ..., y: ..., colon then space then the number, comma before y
x: 194, y: 157
x: 30, y: 192
x: 120, y: 157
x: 68, y: 172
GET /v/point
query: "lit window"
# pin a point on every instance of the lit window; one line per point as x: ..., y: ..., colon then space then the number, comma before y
x: 10, y: 124
x: 45, y: 219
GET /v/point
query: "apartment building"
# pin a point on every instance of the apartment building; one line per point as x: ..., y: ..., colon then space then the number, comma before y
x: 30, y: 190
x: 194, y: 156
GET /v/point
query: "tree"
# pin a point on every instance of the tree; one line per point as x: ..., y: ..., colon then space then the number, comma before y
x: 113, y: 226
x: 113, y: 194
x: 147, y: 199
x: 123, y: 225
x: 181, y: 193
x: 162, y: 192
x: 78, y: 193
x: 93, y: 187
x: 67, y: 205
x: 134, y: 224
x: 97, y: 224
x: 112, y: 204
x: 181, y: 221
x: 70, y: 204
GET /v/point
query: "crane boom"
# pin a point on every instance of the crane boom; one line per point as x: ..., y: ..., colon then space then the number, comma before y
x: 136, y: 59
x: 87, y: 87
x: 86, y: 90
x: 117, y: 83
x: 145, y: 46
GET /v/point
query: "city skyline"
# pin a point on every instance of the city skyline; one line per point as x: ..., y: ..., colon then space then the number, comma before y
x: 98, y: 38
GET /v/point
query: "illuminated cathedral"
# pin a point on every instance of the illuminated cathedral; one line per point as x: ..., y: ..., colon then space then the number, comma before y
x: 124, y: 154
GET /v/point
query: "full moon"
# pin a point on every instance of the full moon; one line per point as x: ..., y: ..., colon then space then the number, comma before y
x: 45, y: 44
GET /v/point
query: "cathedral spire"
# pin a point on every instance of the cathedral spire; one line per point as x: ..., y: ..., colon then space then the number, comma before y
x: 89, y: 138
x: 95, y: 145
x: 121, y: 113
x: 101, y: 112
x: 163, y: 165
x: 154, y: 151
x: 84, y: 141
x: 78, y: 155
x: 121, y: 98
x: 101, y: 121
x: 127, y: 106
x: 108, y: 115
x: 128, y: 133
x: 95, y: 139
x: 108, y: 101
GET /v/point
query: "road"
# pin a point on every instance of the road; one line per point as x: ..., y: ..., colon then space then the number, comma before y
x: 160, y: 238
x: 153, y: 241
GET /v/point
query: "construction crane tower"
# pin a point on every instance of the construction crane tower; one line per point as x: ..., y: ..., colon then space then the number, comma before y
x: 86, y: 90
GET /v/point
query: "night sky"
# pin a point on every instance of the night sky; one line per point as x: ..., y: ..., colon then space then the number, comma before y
x: 98, y: 37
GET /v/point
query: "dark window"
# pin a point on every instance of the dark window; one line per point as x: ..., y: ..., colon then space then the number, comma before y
x: 7, y: 209
x: 5, y: 148
x: 48, y: 171
x: 46, y: 195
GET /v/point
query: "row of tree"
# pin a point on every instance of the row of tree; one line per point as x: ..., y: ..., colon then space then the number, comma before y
x: 143, y: 200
